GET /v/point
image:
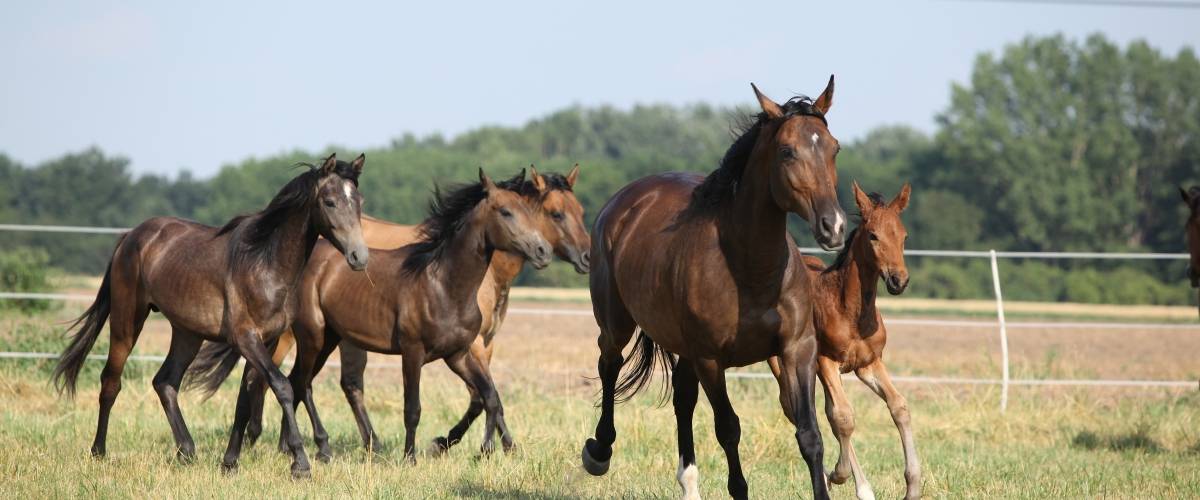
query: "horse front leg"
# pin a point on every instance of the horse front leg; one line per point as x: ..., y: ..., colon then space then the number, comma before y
x: 728, y: 426
x: 876, y: 376
x: 797, y: 371
x: 841, y: 420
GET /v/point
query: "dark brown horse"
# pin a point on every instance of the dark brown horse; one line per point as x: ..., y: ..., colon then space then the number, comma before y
x: 705, y: 267
x: 425, y: 306
x: 1192, y: 198
x: 850, y: 331
x: 235, y: 284
x: 562, y: 225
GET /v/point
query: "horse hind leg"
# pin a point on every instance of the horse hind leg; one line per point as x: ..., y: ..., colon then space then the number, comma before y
x: 184, y: 347
x: 616, y: 328
x: 841, y: 420
x: 126, y: 319
x: 686, y: 390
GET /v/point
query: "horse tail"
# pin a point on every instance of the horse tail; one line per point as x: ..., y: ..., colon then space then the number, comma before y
x: 644, y: 357
x: 70, y: 362
x: 213, y: 364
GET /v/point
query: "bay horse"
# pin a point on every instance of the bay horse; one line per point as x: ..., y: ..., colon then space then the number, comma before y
x: 850, y: 331
x: 1191, y: 197
x: 564, y: 229
x: 706, y: 268
x: 235, y: 284
x: 425, y: 307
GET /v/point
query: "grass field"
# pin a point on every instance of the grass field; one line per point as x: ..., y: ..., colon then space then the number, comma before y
x: 1052, y: 442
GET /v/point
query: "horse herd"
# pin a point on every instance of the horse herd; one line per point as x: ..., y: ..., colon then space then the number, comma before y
x: 701, y: 267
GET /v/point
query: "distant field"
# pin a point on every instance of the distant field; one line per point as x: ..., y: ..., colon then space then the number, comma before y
x: 1053, y: 442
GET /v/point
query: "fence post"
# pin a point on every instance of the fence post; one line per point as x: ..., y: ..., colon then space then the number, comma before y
x: 1003, y: 333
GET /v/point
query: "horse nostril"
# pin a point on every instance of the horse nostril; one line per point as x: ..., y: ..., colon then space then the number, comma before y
x: 541, y: 251
x: 587, y: 257
x: 828, y: 226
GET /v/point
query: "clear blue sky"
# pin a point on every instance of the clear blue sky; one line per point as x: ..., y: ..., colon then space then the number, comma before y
x: 195, y: 85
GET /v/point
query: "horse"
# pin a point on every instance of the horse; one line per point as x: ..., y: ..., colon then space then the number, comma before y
x: 426, y: 308
x: 564, y: 229
x: 1191, y: 197
x: 235, y: 284
x: 850, y: 332
x: 705, y: 267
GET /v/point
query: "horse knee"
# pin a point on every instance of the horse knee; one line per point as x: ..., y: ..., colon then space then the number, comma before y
x: 810, y: 444
x: 842, y: 422
x: 899, y: 410
x: 729, y: 431
x: 412, y: 415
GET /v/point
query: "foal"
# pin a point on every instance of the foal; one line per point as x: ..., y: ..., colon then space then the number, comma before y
x: 426, y: 308
x: 235, y: 284
x: 1192, y: 198
x: 850, y: 331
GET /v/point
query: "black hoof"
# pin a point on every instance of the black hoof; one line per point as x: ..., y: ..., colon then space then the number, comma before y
x: 185, y: 457
x: 439, y: 446
x: 594, y: 466
x: 301, y: 473
x: 324, y: 456
x: 229, y: 469
x: 97, y: 453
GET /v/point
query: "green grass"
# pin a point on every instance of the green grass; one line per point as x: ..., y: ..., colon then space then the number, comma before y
x: 1050, y: 444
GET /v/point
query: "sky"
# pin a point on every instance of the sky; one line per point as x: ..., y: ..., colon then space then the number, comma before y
x: 198, y: 85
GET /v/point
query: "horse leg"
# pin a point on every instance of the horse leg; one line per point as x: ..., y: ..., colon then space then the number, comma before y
x: 411, y: 363
x: 482, y: 354
x: 252, y: 348
x: 728, y: 426
x: 841, y: 419
x: 686, y: 390
x: 876, y: 376
x: 307, y: 367
x: 184, y: 347
x: 616, y: 328
x: 354, y: 364
x: 797, y: 369
x: 468, y: 367
x: 258, y: 385
x: 125, y: 325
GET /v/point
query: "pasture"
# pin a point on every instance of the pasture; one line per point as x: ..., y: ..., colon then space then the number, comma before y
x: 1052, y: 442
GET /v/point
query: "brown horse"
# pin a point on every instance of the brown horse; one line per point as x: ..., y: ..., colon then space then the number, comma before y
x: 706, y: 268
x: 426, y: 308
x: 563, y: 227
x: 1192, y: 198
x: 235, y: 284
x: 850, y: 332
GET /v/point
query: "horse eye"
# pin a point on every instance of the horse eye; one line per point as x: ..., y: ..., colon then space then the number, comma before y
x: 329, y: 203
x: 787, y: 152
x: 556, y: 215
x: 504, y: 212
x: 873, y: 237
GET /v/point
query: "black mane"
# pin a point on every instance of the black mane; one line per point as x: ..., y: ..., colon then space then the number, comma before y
x: 447, y: 215
x: 843, y: 255
x: 722, y: 183
x: 254, y: 238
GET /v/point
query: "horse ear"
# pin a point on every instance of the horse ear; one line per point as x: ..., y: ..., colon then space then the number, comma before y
x: 573, y: 176
x: 539, y: 183
x: 329, y: 164
x: 358, y: 163
x: 825, y: 101
x: 486, y: 181
x: 768, y: 106
x: 865, y: 205
x: 901, y: 201
x: 1186, y: 197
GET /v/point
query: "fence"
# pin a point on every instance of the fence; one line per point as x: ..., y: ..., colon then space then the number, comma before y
x: 1002, y: 326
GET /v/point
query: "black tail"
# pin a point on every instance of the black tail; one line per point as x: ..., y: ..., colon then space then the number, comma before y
x: 213, y: 364
x: 93, y: 319
x: 645, y: 355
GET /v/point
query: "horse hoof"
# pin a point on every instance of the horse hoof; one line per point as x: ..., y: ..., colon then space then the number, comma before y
x: 508, y: 445
x: 301, y: 473
x: 97, y: 452
x: 228, y: 468
x: 185, y: 458
x: 439, y: 446
x: 324, y: 456
x: 834, y: 478
x: 593, y: 466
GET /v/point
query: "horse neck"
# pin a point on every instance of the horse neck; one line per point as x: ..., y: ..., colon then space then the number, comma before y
x: 288, y: 257
x: 857, y: 282
x: 753, y: 229
x: 505, y: 267
x: 466, y: 260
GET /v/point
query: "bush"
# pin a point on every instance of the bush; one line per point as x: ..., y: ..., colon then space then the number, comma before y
x: 24, y: 270
x: 1032, y: 281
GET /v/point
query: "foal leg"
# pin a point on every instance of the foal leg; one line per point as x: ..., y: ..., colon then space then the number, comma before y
x: 482, y: 354
x: 686, y: 390
x: 841, y: 419
x: 125, y: 325
x: 257, y: 357
x: 797, y: 369
x: 279, y: 349
x: 354, y: 364
x: 308, y: 364
x: 876, y: 376
x: 728, y: 426
x: 411, y: 364
x: 184, y: 347
x: 468, y: 367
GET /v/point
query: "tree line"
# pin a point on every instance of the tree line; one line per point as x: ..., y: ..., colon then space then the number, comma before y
x: 1053, y: 144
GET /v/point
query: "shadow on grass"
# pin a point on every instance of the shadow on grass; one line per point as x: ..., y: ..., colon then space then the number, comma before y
x: 1138, y: 440
x: 475, y: 490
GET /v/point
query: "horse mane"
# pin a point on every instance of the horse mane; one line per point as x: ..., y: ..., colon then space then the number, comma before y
x: 448, y: 214
x: 722, y: 183
x: 254, y: 235
x: 843, y: 255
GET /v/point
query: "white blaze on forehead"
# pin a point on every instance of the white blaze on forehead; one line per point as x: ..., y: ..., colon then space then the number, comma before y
x: 815, y: 138
x: 347, y: 189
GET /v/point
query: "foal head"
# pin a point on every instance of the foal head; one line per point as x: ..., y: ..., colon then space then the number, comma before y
x: 879, y: 244
x: 802, y: 157
x: 339, y: 207
x: 563, y: 217
x: 1191, y: 197
x: 510, y: 224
